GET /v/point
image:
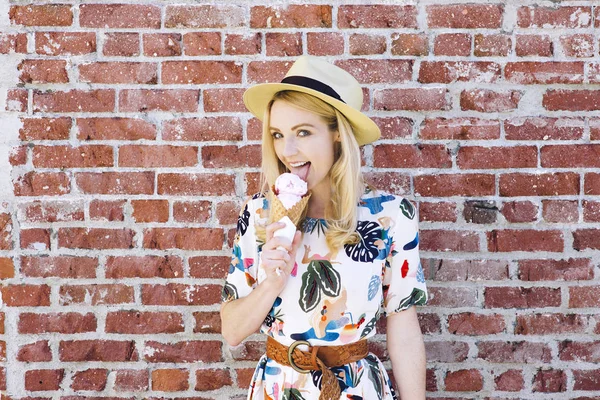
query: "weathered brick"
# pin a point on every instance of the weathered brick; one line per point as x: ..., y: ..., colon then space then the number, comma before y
x: 130, y: 380
x: 485, y: 100
x: 559, y: 17
x: 96, y: 294
x: 183, y: 238
x: 196, y: 184
x: 223, y: 100
x: 365, y: 44
x: 65, y: 43
x: 42, y: 184
x: 544, y: 128
x: 580, y: 45
x: 546, y: 184
x: 550, y: 324
x: 121, y: 44
x: 107, y: 210
x: 138, y: 323
x: 202, y: 43
x: 90, y: 379
x: 71, y: 322
x: 560, y: 211
x: 95, y: 238
x: 43, y: 71
x: 119, y: 16
x: 584, y: 296
x: 452, y: 44
x: 204, y: 351
x: 173, y: 100
x: 377, y: 16
x: 438, y: 240
x: 476, y: 324
x: 468, y: 270
x: 469, y: 380
x: 207, y: 322
x: 75, y: 100
x: 43, y: 379
x: 97, y: 350
x: 475, y: 157
x: 579, y: 351
x: 45, y: 128
x: 534, y: 45
x: 205, y: 16
x: 157, y: 156
x: 13, y: 43
x: 35, y: 352
x: 72, y: 157
x: 550, y: 381
x: 240, y: 44
x: 291, y: 16
x: 41, y: 15
x: 118, y: 267
x: 521, y: 297
x: 281, y: 44
x: 324, y: 43
x: 170, y: 380
x: 192, y: 211
x: 572, y: 269
x: 35, y: 239
x: 437, y: 211
x: 460, y: 129
x: 116, y: 128
x: 586, y: 379
x: 492, y: 45
x: 150, y: 210
x: 533, y: 73
x: 212, y: 379
x: 119, y: 72
x: 465, y: 16
x: 591, y: 211
x: 454, y: 185
x: 509, y: 381
x: 74, y: 267
x: 411, y: 156
x: 513, y: 352
x: 116, y: 182
x: 25, y: 295
x: 409, y: 44
x: 571, y: 100
x: 180, y: 294
x: 417, y: 99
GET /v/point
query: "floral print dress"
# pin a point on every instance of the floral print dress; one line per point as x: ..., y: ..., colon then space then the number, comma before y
x: 333, y: 298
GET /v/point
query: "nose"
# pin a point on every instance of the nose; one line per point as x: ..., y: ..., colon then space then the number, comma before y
x: 289, y: 147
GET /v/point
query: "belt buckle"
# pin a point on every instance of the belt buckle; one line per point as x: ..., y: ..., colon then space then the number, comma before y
x: 291, y: 349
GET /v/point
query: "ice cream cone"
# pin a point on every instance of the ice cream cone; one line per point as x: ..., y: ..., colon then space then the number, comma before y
x: 279, y: 211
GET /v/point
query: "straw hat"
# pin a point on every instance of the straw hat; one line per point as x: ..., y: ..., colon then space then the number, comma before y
x: 326, y: 81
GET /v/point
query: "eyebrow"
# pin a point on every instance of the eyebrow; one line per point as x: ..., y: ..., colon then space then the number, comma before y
x: 272, y: 128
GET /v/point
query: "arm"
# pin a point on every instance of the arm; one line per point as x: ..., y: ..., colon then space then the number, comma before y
x: 407, y: 353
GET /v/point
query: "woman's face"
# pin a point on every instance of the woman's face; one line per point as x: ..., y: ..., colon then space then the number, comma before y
x: 303, y: 143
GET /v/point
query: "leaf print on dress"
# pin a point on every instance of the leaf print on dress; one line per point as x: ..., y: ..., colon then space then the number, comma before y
x: 374, y: 204
x: 229, y: 292
x: 274, y: 319
x: 366, y: 249
x: 417, y: 297
x: 243, y: 220
x: 407, y: 209
x: 320, y: 276
x: 374, y: 286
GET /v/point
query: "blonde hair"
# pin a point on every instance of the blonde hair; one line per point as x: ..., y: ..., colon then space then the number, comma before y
x: 347, y: 181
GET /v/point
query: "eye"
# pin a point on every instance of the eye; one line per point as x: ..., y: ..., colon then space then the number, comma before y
x: 276, y: 135
x: 303, y: 132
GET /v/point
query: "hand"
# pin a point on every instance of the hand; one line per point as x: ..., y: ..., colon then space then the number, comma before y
x: 278, y: 255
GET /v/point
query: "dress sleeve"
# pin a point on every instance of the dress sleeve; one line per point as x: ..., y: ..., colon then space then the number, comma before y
x: 403, y: 279
x: 241, y: 278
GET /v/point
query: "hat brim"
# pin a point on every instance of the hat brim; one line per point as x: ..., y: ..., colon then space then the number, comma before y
x: 257, y: 97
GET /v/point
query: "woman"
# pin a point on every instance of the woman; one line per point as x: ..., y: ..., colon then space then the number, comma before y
x: 354, y: 257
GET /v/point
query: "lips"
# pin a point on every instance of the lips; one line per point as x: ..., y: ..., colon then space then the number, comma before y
x: 302, y: 171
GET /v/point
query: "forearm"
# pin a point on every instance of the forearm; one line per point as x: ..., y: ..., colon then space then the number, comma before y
x: 242, y: 317
x: 407, y: 353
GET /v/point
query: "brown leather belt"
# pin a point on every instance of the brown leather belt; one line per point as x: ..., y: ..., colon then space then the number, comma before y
x: 318, y: 358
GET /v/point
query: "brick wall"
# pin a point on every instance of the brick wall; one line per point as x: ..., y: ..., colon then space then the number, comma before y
x: 126, y: 151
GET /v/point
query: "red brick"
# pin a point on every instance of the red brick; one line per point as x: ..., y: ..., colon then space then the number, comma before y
x: 119, y: 16
x: 65, y: 43
x: 281, y: 44
x: 267, y: 71
x: 446, y: 351
x: 506, y: 240
x: 35, y: 352
x: 43, y: 71
x: 469, y: 270
x: 413, y: 99
x: 558, y: 17
x: 157, y: 156
x: 484, y: 100
x: 476, y: 324
x: 150, y: 210
x: 244, y: 377
x: 377, y: 16
x: 466, y: 380
x: 6, y: 229
x: 183, y: 238
x: 560, y: 210
x: 175, y: 294
x: 42, y: 184
x: 16, y: 100
x: 529, y: 73
x: 118, y: 267
x: 394, y: 127
x: 115, y: 128
x: 138, y: 323
x: 549, y: 381
x: 452, y: 44
x: 580, y: 45
x: 13, y: 43
x: 394, y: 182
x: 592, y: 183
x: 324, y: 43
x: 411, y: 156
x: 460, y: 129
x: 224, y: 100
x: 231, y: 156
x: 71, y: 322
x: 118, y: 72
x: 59, y: 266
x: 25, y: 295
x: 17, y: 155
x: 291, y: 16
x: 444, y: 185
x: 204, y: 351
x: 594, y: 77
x: 90, y: 379
x: 438, y: 240
x: 75, y: 100
x: 205, y: 16
x: 95, y: 238
x: 209, y: 267
x: 252, y: 181
x: 475, y: 157
x: 43, y: 379
x: 227, y: 212
x: 410, y: 45
x: 202, y: 43
x: 116, y: 182
x: 162, y: 44
x: 572, y: 269
x: 170, y: 380
x: 584, y: 297
x: 212, y: 379
x: 123, y: 44
x: 579, y: 351
x: 242, y: 44
x: 35, y: 239
x: 544, y: 128
x: 509, y: 381
x: 520, y: 297
x: 534, y: 45
x: 591, y: 211
x: 378, y: 71
x: 97, y: 350
x: 569, y: 156
x: 192, y: 211
x: 437, y: 212
x: 548, y: 184
x: 365, y: 44
x: 203, y: 129
x: 45, y: 128
x: 586, y: 379
x: 130, y: 380
x: 96, y: 294
x: 465, y: 16
x: 2, y: 323
x: 107, y: 210
x: 196, y: 184
x: 207, y: 322
x: 571, y: 100
x: 458, y: 71
x: 173, y: 100
x: 492, y: 45
x: 41, y: 15
x: 7, y: 268
x: 550, y: 324
x: 72, y: 157
x: 514, y: 352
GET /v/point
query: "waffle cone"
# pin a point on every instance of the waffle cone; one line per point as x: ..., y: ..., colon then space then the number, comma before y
x: 279, y: 211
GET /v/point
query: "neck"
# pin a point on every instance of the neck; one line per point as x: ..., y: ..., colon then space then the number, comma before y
x: 318, y: 203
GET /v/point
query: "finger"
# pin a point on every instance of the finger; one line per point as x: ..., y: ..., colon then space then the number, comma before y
x: 278, y: 241
x: 276, y: 254
x: 271, y: 228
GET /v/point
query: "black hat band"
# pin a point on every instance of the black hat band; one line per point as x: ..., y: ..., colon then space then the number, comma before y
x: 312, y: 84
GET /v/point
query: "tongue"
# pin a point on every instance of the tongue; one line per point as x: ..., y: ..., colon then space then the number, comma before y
x: 302, y: 172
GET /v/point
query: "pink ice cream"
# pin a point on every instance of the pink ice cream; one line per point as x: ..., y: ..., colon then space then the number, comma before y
x: 290, y: 189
